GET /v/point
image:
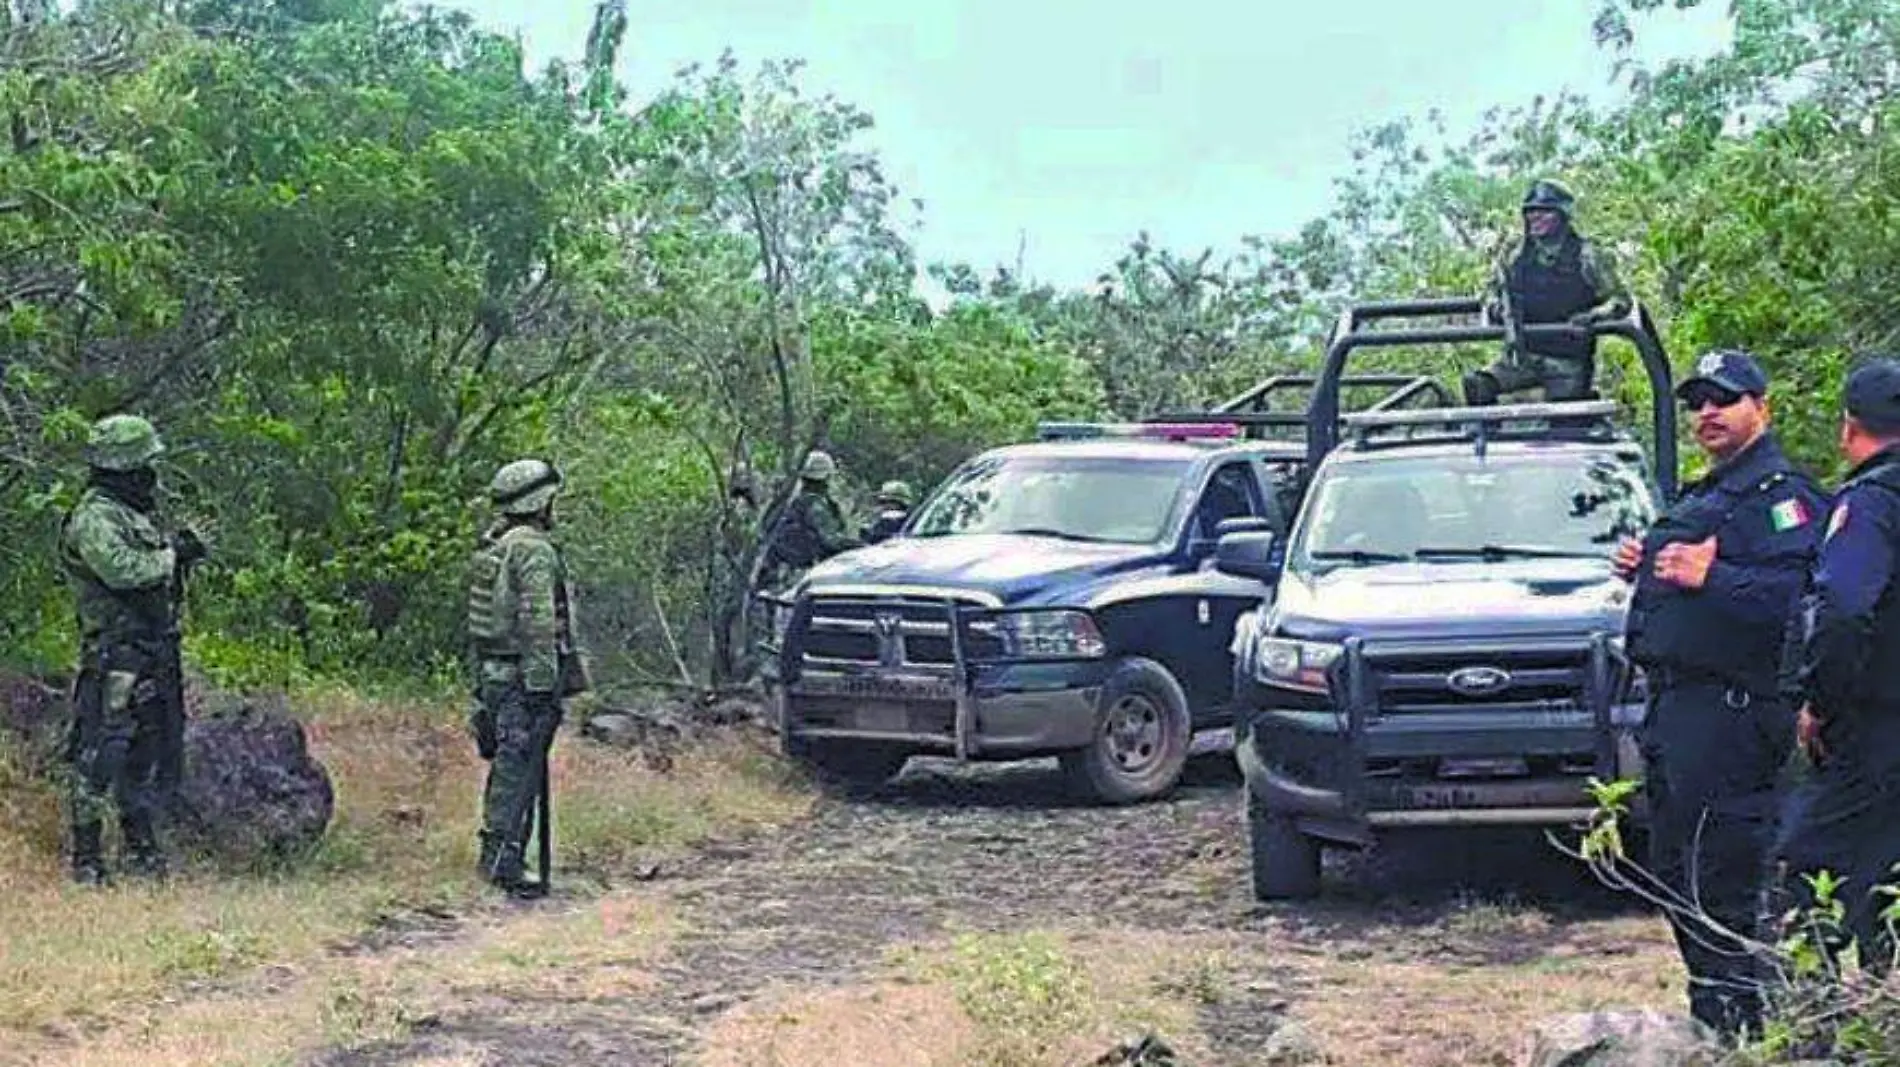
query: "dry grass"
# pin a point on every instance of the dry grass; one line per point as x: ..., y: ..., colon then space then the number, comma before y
x: 581, y: 955
x: 408, y: 784
x: 1446, y: 998
x: 1043, y: 998
x: 881, y: 1025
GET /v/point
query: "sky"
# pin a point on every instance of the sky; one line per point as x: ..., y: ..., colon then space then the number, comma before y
x: 1059, y: 129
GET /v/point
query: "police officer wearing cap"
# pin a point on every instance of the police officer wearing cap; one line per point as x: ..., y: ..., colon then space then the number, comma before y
x: 1715, y: 581
x: 1845, y: 670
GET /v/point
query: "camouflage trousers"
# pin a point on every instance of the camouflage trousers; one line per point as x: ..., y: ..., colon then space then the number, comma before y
x: 116, y: 747
x: 525, y: 724
x: 1561, y: 377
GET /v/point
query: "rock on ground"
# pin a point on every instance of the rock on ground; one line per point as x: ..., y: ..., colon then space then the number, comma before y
x: 33, y: 717
x: 1621, y: 1039
x: 252, y: 791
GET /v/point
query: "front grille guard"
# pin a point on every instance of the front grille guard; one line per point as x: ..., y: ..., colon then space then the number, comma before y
x: 790, y: 655
x: 1355, y: 693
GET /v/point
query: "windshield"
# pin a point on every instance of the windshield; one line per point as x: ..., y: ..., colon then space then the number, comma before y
x: 1454, y: 508
x: 1084, y: 499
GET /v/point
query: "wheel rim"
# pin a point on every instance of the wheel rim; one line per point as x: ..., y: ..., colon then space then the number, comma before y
x: 1133, y: 735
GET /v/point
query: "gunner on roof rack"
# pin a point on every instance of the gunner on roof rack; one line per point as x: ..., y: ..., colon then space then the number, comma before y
x: 1550, y: 276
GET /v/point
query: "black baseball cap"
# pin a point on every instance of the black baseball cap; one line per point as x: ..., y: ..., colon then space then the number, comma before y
x: 1730, y: 370
x: 1872, y: 395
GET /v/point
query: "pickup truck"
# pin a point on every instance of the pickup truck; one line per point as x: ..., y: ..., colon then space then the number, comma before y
x: 1443, y: 643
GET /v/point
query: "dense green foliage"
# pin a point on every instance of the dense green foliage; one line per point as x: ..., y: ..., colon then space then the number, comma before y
x: 352, y: 257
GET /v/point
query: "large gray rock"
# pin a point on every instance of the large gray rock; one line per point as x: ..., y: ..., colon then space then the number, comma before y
x: 252, y: 793
x: 1622, y: 1039
x: 33, y: 719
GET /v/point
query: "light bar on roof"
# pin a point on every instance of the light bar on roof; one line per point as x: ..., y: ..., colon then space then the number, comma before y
x: 1168, y: 431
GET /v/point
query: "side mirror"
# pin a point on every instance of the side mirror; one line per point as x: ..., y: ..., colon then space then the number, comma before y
x: 1200, y: 547
x: 1242, y: 524
x: 1247, y: 554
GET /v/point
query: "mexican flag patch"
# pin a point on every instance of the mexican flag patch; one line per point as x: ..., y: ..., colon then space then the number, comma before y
x: 1788, y: 514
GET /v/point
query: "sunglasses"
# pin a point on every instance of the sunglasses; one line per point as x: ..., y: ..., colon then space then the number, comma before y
x: 1722, y: 398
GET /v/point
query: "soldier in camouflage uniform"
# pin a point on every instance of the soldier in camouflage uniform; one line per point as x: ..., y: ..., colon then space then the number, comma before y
x: 893, y: 502
x: 521, y: 630
x: 1549, y: 275
x: 126, y: 568
x: 809, y: 529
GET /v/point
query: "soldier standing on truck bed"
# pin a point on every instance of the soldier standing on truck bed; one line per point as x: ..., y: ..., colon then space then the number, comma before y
x: 1550, y: 275
x: 1845, y: 672
x: 127, y: 571
x: 1716, y: 579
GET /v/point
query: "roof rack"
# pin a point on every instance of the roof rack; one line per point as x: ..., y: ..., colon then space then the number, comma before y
x: 1186, y: 428
x: 1252, y: 417
x: 1589, y: 420
x: 1404, y: 387
x: 1324, y: 424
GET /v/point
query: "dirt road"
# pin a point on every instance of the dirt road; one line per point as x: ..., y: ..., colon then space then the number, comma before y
x: 1440, y: 949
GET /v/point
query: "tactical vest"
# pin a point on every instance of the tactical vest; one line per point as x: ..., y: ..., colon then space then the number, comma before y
x: 493, y: 598
x: 491, y: 594
x: 1552, y: 294
x: 795, y: 539
x: 1677, y: 630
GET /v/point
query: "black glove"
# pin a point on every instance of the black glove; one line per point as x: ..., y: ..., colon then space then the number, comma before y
x: 481, y: 725
x: 188, y: 547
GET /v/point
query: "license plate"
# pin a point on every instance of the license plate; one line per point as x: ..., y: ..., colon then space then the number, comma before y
x: 1440, y: 796
x: 876, y: 686
x: 883, y: 717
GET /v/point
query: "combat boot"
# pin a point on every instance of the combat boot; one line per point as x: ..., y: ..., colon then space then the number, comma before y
x: 144, y: 857
x: 89, y: 863
x: 506, y: 873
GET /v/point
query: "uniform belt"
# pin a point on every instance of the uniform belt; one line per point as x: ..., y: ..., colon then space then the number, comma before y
x: 1679, y: 677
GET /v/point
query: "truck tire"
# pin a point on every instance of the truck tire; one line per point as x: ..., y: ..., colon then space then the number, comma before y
x: 1142, y: 732
x: 1286, y: 862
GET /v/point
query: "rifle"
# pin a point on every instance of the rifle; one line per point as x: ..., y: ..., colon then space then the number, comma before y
x: 544, y: 805
x: 189, y: 552
x: 540, y: 817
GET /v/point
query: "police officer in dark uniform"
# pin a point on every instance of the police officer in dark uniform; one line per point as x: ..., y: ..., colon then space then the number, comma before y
x: 1552, y: 275
x: 1845, y: 818
x: 1716, y: 579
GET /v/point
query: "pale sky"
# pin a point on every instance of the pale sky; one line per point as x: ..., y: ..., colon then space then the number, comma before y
x: 1078, y: 124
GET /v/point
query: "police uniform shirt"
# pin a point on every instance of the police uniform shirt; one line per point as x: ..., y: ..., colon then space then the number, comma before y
x: 1852, y: 583
x: 1763, y: 549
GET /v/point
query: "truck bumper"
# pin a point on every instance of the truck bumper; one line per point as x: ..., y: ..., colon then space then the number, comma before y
x: 1341, y: 765
x: 1007, y: 711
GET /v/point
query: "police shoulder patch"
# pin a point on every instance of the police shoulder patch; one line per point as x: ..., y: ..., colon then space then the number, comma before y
x: 1790, y: 514
x: 1836, y: 520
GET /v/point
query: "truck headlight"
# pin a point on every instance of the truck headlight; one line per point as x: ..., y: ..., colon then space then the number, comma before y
x: 1296, y: 664
x: 1053, y: 634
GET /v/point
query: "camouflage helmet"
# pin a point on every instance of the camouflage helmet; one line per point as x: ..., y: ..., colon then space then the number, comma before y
x: 819, y: 466
x: 1547, y: 195
x: 895, y: 492
x: 524, y: 486
x: 123, y: 443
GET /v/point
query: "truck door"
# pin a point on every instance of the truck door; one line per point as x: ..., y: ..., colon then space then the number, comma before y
x: 1233, y: 490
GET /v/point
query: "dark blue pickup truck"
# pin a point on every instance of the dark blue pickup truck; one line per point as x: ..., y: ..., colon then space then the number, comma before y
x: 1051, y: 598
x: 1443, y: 643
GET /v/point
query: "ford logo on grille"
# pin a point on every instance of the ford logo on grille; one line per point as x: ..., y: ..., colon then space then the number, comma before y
x: 1477, y: 681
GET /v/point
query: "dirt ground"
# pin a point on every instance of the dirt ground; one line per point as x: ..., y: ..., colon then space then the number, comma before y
x: 978, y: 916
